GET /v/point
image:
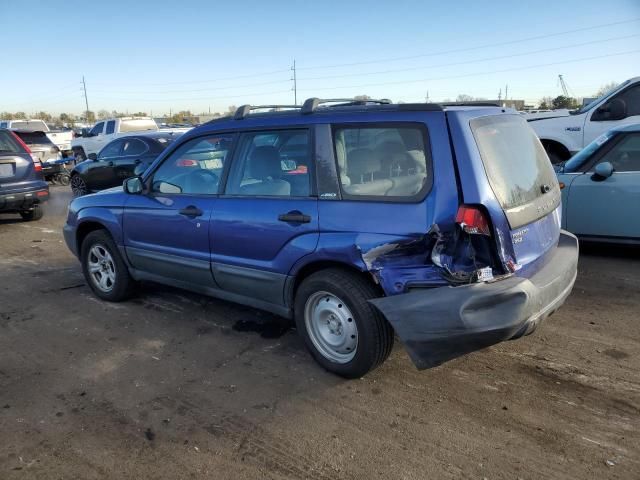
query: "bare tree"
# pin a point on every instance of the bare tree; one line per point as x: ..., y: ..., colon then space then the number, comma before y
x: 606, y: 88
x: 463, y: 97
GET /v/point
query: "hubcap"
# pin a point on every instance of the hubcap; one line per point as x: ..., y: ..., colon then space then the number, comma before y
x: 78, y: 187
x: 101, y: 268
x: 331, y: 327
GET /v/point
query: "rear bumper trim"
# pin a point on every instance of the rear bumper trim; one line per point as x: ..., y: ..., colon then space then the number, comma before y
x: 437, y: 325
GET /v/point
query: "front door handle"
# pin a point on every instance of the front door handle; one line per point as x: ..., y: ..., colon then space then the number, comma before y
x: 191, y: 211
x: 294, y: 216
x: 110, y: 164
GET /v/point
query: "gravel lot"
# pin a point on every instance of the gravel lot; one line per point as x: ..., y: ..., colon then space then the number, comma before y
x: 176, y: 385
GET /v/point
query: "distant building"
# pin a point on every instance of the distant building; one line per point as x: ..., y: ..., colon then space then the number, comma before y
x: 517, y: 104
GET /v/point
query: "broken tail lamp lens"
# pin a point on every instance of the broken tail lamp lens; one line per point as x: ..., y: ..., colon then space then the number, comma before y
x: 472, y: 220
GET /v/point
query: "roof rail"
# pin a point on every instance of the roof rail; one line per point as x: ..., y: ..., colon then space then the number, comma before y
x: 472, y: 103
x: 311, y: 104
x: 244, y: 110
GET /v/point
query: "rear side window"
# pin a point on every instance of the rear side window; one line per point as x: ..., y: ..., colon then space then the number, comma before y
x: 8, y: 144
x: 111, y: 127
x: 34, y: 138
x: 388, y: 163
x: 133, y: 146
x: 517, y: 166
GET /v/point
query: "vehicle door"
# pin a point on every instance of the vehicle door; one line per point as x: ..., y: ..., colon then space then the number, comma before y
x: 101, y: 172
x: 133, y: 151
x: 96, y: 139
x: 622, y: 109
x: 608, y: 207
x: 267, y: 218
x: 166, y: 228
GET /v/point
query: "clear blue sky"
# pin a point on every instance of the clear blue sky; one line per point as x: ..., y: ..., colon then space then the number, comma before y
x: 161, y: 55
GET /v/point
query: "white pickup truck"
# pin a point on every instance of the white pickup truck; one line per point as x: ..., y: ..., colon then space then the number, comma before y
x: 106, y: 130
x: 568, y: 132
x: 60, y: 138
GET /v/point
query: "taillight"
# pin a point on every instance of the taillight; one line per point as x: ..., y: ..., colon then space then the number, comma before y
x: 37, y: 166
x: 473, y: 220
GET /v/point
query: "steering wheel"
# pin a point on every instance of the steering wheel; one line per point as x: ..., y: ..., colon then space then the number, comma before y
x: 203, y: 180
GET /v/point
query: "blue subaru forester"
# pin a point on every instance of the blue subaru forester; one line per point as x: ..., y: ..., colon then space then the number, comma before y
x: 358, y: 219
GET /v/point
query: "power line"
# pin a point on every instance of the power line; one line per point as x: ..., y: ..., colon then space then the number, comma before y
x: 182, y: 90
x: 402, y: 82
x: 237, y: 77
x: 468, y: 49
x: 186, y: 99
x: 466, y: 62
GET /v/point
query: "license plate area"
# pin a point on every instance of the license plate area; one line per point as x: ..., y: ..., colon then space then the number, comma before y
x: 6, y: 170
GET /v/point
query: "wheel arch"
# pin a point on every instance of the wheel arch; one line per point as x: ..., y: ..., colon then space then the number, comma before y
x: 317, y: 265
x: 555, y: 146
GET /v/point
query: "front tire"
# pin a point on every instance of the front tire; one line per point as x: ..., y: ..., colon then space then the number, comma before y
x: 78, y: 186
x: 103, y: 268
x: 36, y: 213
x: 342, y: 330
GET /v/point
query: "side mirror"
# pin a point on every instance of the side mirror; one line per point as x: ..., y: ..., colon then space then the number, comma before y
x: 133, y: 185
x: 604, y: 170
x: 92, y: 156
x: 616, y: 109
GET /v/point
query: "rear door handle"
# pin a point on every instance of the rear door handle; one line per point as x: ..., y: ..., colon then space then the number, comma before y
x: 191, y: 211
x: 294, y: 217
x: 110, y: 164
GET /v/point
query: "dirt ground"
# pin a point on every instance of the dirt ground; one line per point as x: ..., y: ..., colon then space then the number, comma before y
x: 176, y: 385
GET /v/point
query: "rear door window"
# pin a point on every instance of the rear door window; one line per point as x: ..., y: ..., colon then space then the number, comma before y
x: 383, y: 163
x: 111, y: 127
x: 516, y: 164
x: 133, y: 146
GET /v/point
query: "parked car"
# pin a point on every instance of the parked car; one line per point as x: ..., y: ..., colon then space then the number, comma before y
x: 358, y: 220
x: 118, y: 160
x: 601, y: 188
x: 106, y: 130
x: 565, y: 133
x: 60, y: 138
x: 22, y: 187
x: 40, y: 145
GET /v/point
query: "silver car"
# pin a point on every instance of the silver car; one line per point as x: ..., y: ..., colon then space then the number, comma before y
x: 40, y: 145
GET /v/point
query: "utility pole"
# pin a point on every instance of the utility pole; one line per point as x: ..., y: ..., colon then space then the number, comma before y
x: 86, y: 100
x: 426, y: 99
x: 506, y: 92
x: 500, y: 95
x: 295, y: 83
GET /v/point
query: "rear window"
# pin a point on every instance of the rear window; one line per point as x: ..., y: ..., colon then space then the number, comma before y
x: 138, y: 125
x: 34, y: 138
x: 515, y: 161
x: 29, y: 125
x: 8, y: 144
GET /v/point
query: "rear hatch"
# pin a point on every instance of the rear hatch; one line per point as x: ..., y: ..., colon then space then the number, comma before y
x: 16, y: 164
x: 524, y: 184
x: 40, y: 145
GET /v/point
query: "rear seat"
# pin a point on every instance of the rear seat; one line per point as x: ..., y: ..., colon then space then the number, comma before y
x: 362, y: 166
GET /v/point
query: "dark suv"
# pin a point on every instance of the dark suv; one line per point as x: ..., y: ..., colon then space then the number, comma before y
x: 358, y: 219
x: 22, y: 186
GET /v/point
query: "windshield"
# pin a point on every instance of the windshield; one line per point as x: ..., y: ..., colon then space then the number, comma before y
x: 514, y: 159
x: 575, y: 163
x: 591, y: 104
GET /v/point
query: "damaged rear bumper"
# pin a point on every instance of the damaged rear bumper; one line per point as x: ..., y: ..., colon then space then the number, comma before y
x: 439, y: 324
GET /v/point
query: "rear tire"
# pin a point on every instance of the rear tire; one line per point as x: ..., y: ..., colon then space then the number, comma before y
x: 103, y: 268
x: 36, y: 213
x: 342, y: 330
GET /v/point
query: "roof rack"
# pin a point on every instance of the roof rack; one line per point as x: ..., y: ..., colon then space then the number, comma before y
x: 311, y: 104
x: 244, y: 110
